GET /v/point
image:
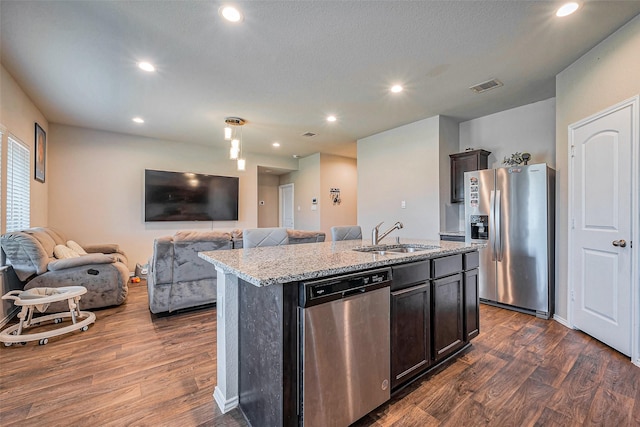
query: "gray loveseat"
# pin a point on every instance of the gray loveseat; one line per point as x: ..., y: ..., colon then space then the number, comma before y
x: 179, y: 279
x: 103, y: 271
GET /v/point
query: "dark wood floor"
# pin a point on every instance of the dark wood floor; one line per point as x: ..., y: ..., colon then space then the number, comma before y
x: 135, y: 369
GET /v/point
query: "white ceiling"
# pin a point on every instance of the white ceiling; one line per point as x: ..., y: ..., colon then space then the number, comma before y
x: 290, y: 63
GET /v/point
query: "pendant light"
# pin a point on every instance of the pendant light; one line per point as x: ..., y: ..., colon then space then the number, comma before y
x: 233, y: 133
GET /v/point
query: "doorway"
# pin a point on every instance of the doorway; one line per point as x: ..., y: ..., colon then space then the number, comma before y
x: 286, y: 206
x: 604, y: 299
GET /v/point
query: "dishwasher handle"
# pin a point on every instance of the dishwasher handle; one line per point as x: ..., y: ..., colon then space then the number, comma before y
x: 355, y: 291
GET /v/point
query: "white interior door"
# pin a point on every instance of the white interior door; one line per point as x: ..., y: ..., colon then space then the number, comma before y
x: 601, y: 226
x: 286, y: 205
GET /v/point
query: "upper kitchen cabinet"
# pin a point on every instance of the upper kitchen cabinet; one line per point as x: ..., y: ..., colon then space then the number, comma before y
x: 471, y: 160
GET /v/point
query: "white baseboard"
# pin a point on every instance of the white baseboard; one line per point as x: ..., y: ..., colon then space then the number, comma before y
x: 224, y: 404
x: 564, y: 322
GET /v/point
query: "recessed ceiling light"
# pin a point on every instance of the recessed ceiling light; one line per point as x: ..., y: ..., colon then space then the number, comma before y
x: 146, y: 66
x: 296, y: 156
x: 331, y: 118
x: 276, y: 144
x: 230, y: 13
x: 138, y: 120
x: 567, y: 9
x: 396, y: 88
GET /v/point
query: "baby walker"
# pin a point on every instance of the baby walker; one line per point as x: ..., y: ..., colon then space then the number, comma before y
x: 39, y: 299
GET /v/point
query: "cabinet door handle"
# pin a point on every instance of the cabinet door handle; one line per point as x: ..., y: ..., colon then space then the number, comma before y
x: 411, y: 289
x: 619, y: 243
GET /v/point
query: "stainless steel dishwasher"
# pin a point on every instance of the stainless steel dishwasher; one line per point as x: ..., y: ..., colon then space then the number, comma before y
x: 344, y: 347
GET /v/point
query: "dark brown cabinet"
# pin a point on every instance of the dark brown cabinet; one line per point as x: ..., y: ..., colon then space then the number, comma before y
x: 448, y: 333
x: 410, y: 321
x: 463, y: 162
x: 410, y: 332
x: 471, y: 262
x: 434, y: 313
x: 471, y: 305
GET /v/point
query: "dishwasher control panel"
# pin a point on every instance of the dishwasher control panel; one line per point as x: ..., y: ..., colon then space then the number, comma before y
x: 333, y: 288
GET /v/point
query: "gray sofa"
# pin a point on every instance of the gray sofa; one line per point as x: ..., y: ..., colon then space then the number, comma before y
x: 179, y: 279
x: 103, y: 271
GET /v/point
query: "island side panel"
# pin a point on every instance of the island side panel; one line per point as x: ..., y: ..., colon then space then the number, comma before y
x: 268, y: 353
x: 226, y: 390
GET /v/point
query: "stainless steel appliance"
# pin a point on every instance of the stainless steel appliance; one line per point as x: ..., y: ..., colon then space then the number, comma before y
x: 512, y: 209
x: 345, y: 347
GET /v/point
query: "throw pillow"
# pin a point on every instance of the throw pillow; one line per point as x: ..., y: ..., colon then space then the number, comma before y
x: 76, y: 247
x: 63, y: 252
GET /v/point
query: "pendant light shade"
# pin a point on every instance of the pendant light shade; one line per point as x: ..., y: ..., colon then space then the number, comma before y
x: 233, y: 133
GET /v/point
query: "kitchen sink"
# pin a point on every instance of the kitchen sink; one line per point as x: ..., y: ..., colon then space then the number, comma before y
x: 395, y: 249
x: 381, y: 252
x: 408, y: 249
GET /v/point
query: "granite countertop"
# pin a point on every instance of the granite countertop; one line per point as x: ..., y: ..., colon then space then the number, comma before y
x: 290, y: 263
x: 452, y: 233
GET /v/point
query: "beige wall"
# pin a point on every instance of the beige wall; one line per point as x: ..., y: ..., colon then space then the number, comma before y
x: 606, y: 75
x: 306, y: 186
x: 315, y: 176
x: 18, y: 115
x: 96, y: 185
x: 338, y: 172
x: 268, y: 193
x: 401, y: 164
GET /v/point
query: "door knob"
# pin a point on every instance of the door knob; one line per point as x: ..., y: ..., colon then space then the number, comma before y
x: 620, y: 243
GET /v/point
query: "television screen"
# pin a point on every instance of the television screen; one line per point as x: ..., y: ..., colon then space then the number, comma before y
x: 184, y: 196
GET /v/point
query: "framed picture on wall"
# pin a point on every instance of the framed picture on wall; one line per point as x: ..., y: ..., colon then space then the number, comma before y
x: 41, y: 153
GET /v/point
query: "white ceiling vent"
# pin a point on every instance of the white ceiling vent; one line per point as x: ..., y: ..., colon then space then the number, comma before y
x: 483, y: 87
x: 309, y: 134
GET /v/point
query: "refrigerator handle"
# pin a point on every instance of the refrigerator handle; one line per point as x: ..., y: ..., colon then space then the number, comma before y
x: 492, y: 228
x: 498, y: 226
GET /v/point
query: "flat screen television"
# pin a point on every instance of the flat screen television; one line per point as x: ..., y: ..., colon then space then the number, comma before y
x: 185, y: 196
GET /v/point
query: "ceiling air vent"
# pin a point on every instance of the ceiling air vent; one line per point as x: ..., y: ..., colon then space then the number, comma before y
x: 309, y: 134
x: 483, y: 87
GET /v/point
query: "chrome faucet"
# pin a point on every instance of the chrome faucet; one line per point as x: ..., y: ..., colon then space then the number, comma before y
x: 375, y: 237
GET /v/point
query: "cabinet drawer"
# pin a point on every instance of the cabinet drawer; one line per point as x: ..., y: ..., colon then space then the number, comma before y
x: 471, y: 260
x: 405, y: 275
x: 446, y: 265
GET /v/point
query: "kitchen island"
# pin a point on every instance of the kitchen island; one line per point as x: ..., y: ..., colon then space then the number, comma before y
x: 259, y: 314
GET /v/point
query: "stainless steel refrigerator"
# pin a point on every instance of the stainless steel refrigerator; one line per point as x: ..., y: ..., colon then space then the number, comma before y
x: 512, y: 210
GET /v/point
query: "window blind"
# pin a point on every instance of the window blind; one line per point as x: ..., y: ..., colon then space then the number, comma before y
x: 18, y: 186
